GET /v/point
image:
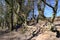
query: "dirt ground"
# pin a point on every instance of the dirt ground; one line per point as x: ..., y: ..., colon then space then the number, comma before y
x: 28, y: 33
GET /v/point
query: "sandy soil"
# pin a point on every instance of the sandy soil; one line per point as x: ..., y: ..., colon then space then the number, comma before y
x: 27, y: 33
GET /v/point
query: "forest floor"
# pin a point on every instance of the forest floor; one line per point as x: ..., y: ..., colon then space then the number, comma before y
x: 28, y: 33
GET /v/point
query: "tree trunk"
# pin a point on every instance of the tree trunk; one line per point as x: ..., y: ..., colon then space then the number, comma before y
x: 54, y: 15
x: 12, y: 16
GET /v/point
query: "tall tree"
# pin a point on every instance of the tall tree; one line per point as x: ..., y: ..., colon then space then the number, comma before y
x: 10, y: 3
x: 54, y: 8
x: 41, y: 7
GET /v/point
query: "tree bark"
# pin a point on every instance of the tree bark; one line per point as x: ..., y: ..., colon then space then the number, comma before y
x: 12, y: 16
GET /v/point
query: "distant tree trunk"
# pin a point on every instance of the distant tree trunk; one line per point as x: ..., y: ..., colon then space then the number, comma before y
x: 7, y: 24
x: 12, y: 20
x: 54, y: 14
x: 11, y: 23
x: 33, y: 10
x: 37, y: 19
x: 12, y: 16
x: 25, y: 20
x: 0, y: 23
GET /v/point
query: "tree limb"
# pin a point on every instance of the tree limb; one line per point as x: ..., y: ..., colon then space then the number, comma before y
x: 48, y: 4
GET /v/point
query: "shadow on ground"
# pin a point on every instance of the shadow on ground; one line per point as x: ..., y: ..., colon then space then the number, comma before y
x: 4, y: 32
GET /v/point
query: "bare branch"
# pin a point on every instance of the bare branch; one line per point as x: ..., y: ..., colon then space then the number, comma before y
x: 47, y: 4
x: 55, y: 11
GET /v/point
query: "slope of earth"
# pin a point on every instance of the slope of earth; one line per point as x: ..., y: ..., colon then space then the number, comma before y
x: 26, y: 33
x: 21, y: 34
x: 48, y: 35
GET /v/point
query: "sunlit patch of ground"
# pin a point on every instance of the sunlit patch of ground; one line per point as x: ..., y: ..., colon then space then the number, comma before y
x: 25, y: 33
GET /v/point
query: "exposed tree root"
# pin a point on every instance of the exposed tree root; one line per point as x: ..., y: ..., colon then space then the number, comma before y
x: 35, y: 33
